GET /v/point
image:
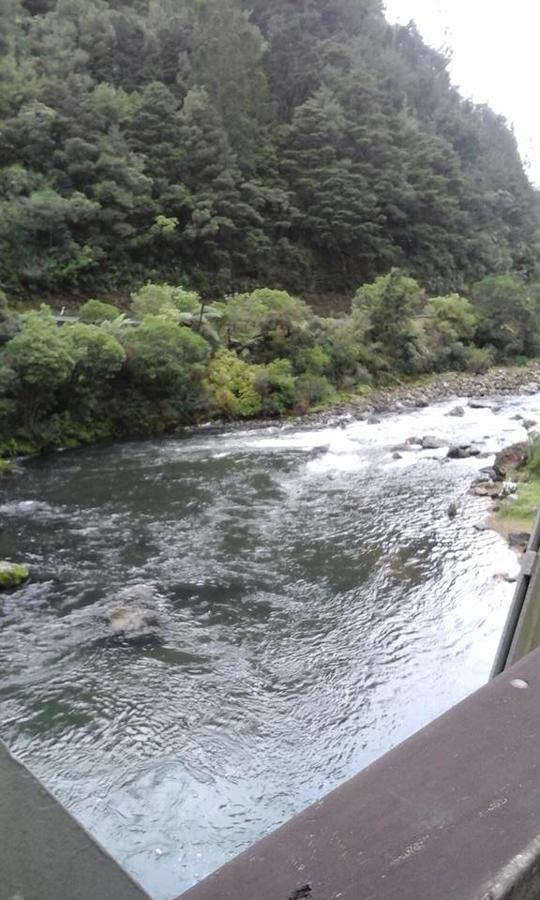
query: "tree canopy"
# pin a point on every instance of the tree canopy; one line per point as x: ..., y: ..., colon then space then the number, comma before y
x: 231, y: 144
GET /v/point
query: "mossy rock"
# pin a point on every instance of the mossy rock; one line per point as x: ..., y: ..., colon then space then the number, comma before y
x: 12, y: 575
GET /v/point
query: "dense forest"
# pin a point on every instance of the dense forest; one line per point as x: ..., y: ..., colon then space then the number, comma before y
x: 201, y: 165
x: 228, y: 144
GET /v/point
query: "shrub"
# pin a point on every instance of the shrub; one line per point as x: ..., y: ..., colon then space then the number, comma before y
x: 508, y: 319
x: 231, y: 386
x: 94, y: 312
x: 154, y: 300
x: 275, y: 384
x: 252, y: 320
x: 97, y: 358
x: 165, y: 359
x: 385, y: 310
x: 311, y: 390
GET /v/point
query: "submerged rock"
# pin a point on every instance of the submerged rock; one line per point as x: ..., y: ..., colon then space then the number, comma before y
x: 12, y: 575
x: 133, y: 614
x: 462, y: 451
x: 430, y: 442
x: 478, y: 403
x: 452, y: 510
x: 529, y: 423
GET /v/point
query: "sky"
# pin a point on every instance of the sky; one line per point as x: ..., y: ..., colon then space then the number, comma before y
x: 495, y: 57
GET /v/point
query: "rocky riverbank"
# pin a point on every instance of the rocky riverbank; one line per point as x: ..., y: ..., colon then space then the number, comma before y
x: 436, y: 388
x: 409, y: 394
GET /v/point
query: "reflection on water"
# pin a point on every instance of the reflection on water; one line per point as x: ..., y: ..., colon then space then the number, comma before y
x: 317, y: 606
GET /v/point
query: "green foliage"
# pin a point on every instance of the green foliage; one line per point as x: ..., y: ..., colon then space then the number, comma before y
x: 231, y: 386
x: 313, y: 390
x: 264, y: 322
x: 37, y: 353
x: 154, y: 300
x: 35, y: 364
x: 166, y: 359
x: 386, y: 309
x: 508, y: 317
x: 95, y: 312
x: 261, y: 353
x: 522, y: 507
x: 309, y: 146
x: 276, y: 385
x: 450, y: 327
x: 97, y: 358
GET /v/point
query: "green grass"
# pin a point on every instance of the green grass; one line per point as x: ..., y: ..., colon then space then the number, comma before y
x: 524, y: 505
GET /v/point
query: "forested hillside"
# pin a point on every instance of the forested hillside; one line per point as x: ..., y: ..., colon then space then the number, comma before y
x: 229, y: 144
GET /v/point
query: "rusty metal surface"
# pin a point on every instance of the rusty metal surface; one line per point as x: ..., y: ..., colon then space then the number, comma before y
x: 451, y: 814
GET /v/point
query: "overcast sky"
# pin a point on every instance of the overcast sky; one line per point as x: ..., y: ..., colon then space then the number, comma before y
x: 495, y: 57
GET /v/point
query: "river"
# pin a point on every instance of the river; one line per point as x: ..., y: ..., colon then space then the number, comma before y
x: 319, y: 605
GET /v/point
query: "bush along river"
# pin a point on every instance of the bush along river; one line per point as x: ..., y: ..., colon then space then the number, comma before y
x: 220, y: 628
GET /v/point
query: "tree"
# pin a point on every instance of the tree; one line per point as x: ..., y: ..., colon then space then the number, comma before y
x: 97, y: 357
x: 508, y: 320
x: 165, y: 359
x: 387, y: 307
x: 41, y: 363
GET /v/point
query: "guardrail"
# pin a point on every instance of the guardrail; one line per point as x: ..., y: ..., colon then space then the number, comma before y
x: 522, y: 629
x: 451, y: 814
x: 44, y: 853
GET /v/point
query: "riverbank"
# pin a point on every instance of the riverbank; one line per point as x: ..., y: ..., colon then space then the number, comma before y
x: 371, y: 403
x: 411, y: 393
x: 517, y: 512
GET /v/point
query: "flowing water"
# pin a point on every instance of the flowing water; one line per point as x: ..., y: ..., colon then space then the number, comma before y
x: 317, y: 606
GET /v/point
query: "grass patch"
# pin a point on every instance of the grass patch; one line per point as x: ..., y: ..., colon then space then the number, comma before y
x: 524, y: 505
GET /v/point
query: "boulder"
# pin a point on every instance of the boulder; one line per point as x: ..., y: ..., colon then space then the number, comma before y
x: 430, y: 442
x: 518, y: 540
x: 478, y: 403
x: 529, y: 423
x: 510, y: 458
x: 492, y: 490
x: 457, y: 411
x: 133, y: 614
x: 452, y: 510
x: 462, y: 451
x: 12, y: 575
x: 489, y: 473
x: 396, y: 455
x: 373, y: 420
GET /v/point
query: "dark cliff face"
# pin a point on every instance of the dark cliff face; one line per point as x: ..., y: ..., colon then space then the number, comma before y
x: 308, y: 145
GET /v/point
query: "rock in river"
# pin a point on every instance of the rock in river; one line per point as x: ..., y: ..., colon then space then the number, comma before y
x: 429, y: 442
x: 463, y: 451
x: 510, y: 458
x: 12, y: 575
x: 133, y: 614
